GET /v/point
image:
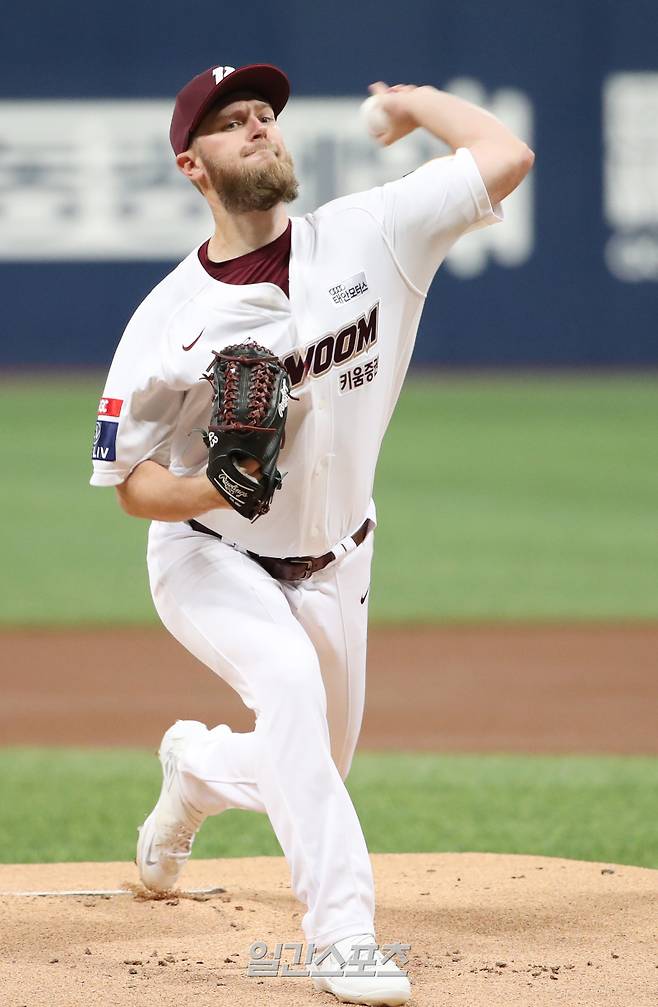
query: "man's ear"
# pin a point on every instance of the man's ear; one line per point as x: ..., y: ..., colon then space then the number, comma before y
x: 187, y: 164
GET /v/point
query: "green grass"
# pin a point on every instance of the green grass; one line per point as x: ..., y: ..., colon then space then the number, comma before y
x: 527, y: 498
x: 521, y: 499
x: 63, y: 805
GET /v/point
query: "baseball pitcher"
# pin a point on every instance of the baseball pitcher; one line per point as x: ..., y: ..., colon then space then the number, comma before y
x: 243, y: 415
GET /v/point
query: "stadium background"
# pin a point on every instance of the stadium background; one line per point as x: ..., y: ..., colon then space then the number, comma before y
x: 517, y: 548
x: 571, y: 66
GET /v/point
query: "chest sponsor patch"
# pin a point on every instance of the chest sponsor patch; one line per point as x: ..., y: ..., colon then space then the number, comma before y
x: 104, y: 448
x: 334, y: 349
x: 110, y: 407
x: 346, y: 291
x: 357, y: 376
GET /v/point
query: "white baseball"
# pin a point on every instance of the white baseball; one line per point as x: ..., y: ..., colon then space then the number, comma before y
x: 375, y: 116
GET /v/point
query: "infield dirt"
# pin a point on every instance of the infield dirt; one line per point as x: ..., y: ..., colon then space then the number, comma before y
x: 485, y: 931
x: 580, y: 688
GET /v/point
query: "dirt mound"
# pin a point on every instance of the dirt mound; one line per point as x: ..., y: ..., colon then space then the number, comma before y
x: 483, y: 929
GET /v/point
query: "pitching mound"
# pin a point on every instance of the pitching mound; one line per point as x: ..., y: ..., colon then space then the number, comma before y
x: 484, y: 930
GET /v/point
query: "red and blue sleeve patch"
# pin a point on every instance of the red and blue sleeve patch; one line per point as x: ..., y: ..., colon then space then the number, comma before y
x: 104, y: 448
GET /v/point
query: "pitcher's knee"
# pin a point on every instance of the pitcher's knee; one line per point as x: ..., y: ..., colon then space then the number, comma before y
x: 295, y: 676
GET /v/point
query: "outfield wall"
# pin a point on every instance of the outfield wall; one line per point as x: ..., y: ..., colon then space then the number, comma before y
x: 93, y: 213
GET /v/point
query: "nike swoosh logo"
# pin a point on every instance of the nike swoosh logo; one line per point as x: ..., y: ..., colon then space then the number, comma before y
x: 147, y: 858
x: 364, y: 596
x: 194, y: 341
x: 148, y: 855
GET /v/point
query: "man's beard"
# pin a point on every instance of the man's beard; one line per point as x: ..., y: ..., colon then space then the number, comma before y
x: 259, y: 186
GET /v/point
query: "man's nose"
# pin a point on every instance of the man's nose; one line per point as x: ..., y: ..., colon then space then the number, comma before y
x: 256, y: 127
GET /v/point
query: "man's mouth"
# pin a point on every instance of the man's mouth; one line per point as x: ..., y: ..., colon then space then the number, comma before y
x: 261, y: 150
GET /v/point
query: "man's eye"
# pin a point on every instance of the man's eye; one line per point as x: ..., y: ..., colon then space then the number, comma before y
x: 233, y: 122
x: 267, y: 118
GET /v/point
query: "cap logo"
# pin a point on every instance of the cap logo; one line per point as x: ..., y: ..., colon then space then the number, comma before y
x: 220, y: 72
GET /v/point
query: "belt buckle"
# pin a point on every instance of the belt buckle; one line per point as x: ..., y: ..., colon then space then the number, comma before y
x: 306, y: 563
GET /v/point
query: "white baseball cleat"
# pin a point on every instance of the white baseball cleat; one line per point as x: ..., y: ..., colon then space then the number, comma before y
x: 388, y: 990
x: 165, y: 839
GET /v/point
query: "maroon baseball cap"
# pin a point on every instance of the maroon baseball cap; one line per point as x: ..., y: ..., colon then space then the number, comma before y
x: 194, y: 100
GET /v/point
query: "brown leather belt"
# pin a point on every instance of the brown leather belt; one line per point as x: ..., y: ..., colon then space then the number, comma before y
x: 292, y: 567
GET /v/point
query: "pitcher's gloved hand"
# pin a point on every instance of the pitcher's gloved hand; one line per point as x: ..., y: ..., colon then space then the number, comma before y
x: 246, y: 432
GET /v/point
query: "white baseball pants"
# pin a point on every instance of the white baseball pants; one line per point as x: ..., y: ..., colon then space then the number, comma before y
x: 296, y: 654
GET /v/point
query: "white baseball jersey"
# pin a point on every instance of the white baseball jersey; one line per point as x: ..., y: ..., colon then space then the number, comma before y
x: 360, y: 268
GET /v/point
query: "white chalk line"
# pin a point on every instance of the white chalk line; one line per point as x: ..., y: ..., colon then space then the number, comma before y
x: 104, y: 891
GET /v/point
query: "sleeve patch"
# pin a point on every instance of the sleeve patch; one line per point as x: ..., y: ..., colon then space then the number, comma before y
x: 105, y: 440
x: 110, y: 407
